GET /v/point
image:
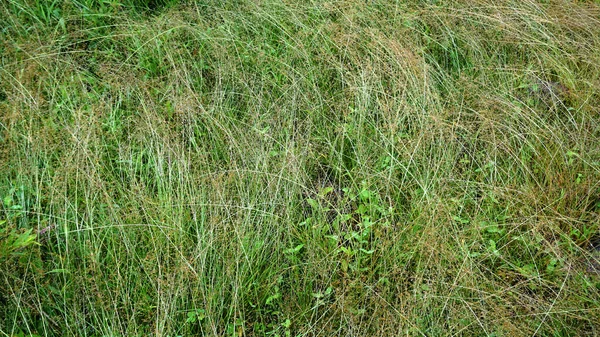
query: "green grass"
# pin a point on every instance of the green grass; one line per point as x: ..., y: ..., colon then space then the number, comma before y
x: 298, y: 168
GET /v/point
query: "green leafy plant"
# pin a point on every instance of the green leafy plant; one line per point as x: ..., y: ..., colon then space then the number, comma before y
x: 196, y: 316
x: 13, y: 240
x: 354, y: 236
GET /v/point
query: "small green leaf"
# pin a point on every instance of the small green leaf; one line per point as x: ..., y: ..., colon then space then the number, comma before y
x: 271, y: 299
x: 341, y: 218
x: 416, y: 229
x: 461, y: 220
x: 333, y: 238
x: 571, y: 153
x: 7, y: 200
x: 347, y: 251
x: 24, y: 239
x: 326, y: 191
x: 362, y: 209
x: 492, y: 245
x: 365, y: 195
x: 191, y: 317
x: 295, y: 249
x: 528, y: 270
x: 317, y: 295
x: 494, y: 229
x: 313, y: 203
x: 344, y: 266
x: 551, y: 265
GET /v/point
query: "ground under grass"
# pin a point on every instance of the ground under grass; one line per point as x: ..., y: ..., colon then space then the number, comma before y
x: 299, y: 168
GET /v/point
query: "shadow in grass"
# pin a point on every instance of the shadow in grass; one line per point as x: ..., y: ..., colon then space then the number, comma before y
x: 593, y: 263
x: 151, y: 6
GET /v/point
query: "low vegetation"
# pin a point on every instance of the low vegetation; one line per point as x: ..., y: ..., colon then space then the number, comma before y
x: 299, y: 168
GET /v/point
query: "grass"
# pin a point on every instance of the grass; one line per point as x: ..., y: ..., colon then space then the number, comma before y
x: 299, y: 168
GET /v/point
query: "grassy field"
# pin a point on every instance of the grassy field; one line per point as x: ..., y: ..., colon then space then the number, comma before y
x: 299, y: 168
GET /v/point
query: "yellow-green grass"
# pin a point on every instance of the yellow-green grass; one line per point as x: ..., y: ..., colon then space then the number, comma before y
x: 299, y: 168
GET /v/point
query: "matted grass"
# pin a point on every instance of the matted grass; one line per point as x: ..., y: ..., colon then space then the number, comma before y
x: 296, y: 168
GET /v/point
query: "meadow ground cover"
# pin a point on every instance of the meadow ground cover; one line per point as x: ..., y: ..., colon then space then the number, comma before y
x: 299, y: 168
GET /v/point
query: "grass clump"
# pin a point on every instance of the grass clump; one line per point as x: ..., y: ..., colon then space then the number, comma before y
x: 293, y: 168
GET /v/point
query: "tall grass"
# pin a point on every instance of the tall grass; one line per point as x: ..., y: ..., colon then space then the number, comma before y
x: 294, y: 168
